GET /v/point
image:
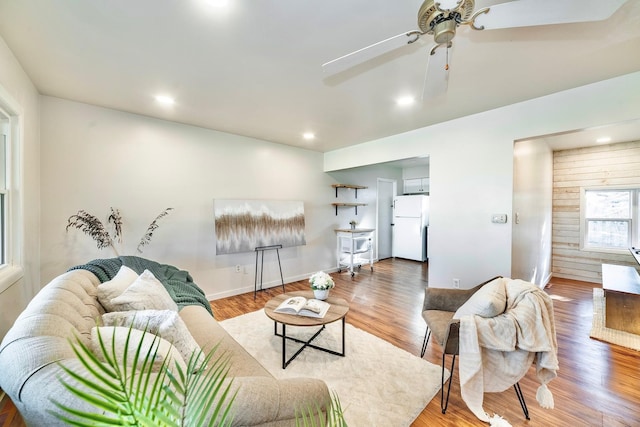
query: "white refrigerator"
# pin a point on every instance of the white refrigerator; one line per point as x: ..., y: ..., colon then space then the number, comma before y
x: 410, y: 227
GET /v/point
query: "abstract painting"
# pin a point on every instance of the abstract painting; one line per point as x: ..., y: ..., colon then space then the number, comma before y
x: 243, y: 225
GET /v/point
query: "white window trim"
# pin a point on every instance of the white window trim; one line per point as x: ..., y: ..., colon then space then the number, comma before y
x: 13, y: 270
x: 583, y: 222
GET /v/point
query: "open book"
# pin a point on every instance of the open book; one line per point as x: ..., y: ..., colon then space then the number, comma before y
x: 303, y: 307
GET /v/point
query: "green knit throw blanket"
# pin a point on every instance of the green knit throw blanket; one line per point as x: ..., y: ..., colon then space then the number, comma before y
x: 178, y: 282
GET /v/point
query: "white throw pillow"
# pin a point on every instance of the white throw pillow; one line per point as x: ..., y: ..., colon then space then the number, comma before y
x: 164, y: 323
x: 115, y: 337
x: 488, y: 301
x: 145, y: 293
x: 116, y: 286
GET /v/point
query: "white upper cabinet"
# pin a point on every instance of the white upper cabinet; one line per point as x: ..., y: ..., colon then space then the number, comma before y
x: 416, y: 186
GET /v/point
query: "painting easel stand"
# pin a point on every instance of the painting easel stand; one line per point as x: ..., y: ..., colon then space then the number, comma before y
x: 261, y: 250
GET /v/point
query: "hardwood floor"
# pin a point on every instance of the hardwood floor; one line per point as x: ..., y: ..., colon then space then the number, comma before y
x: 597, y: 383
x: 9, y: 416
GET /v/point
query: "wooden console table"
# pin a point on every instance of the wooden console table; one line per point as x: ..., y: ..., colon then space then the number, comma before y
x: 621, y: 286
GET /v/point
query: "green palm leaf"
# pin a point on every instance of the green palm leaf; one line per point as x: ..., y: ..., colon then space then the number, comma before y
x: 129, y: 392
x: 313, y: 416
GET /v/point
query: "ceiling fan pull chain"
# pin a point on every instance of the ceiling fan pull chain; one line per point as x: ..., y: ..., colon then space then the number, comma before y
x: 446, y: 66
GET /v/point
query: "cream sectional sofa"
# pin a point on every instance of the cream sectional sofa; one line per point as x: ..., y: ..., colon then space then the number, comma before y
x: 29, y: 355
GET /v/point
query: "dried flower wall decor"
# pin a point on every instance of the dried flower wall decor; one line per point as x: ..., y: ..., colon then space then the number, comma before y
x: 146, y: 239
x: 94, y: 228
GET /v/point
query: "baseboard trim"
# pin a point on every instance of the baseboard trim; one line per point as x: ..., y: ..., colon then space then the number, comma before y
x: 546, y: 281
x: 265, y: 285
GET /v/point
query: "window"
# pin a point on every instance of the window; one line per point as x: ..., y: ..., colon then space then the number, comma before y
x: 11, y: 219
x: 610, y: 218
x: 4, y: 170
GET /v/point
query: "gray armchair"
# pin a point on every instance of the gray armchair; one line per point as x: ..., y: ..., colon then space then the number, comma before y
x: 438, y: 309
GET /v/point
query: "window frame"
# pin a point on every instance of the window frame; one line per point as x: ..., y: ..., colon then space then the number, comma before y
x: 5, y: 203
x: 633, y: 220
x: 12, y: 270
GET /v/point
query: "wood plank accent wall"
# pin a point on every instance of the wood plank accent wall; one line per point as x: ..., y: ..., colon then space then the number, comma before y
x: 604, y: 165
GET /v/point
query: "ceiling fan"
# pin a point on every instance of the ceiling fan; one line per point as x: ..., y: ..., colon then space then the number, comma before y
x: 441, y: 19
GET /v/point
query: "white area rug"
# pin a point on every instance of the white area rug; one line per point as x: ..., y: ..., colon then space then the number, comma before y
x: 601, y: 332
x: 378, y: 383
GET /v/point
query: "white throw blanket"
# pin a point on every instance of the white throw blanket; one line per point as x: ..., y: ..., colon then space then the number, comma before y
x: 496, y: 352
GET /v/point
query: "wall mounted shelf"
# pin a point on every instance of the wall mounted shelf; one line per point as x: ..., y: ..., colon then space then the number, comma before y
x: 348, y: 205
x: 355, y: 187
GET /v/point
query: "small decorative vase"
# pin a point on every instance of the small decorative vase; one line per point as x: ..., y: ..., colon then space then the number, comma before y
x: 321, y: 294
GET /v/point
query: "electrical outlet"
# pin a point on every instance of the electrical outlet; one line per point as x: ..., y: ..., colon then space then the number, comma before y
x: 499, y: 218
x: 456, y: 283
x: 238, y: 269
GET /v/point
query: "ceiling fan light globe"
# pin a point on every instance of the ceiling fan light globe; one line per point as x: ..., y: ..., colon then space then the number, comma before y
x: 445, y: 31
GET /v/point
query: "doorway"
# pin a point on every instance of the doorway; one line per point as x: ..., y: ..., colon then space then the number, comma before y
x: 387, y: 190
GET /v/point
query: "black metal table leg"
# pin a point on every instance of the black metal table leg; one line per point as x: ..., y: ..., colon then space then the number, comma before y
x: 307, y: 343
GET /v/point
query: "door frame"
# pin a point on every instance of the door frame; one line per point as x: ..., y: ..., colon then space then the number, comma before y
x: 378, y: 209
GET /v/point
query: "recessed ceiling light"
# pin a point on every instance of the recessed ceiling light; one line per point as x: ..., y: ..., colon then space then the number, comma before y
x: 217, y: 3
x: 405, y: 100
x: 603, y: 140
x: 165, y: 100
x: 308, y: 136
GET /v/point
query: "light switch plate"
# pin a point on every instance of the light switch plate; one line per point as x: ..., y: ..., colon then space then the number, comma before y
x: 499, y: 218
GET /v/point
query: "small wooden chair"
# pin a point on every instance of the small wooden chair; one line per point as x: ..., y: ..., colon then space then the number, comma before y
x: 438, y: 309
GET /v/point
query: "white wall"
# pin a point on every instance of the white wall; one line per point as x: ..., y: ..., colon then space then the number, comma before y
x: 611, y: 165
x: 471, y: 170
x: 18, y: 91
x: 532, y: 210
x: 367, y: 176
x: 95, y: 158
x: 415, y: 172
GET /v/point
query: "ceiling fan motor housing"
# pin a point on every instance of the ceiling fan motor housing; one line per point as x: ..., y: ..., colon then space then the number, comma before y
x: 441, y: 23
x: 445, y: 30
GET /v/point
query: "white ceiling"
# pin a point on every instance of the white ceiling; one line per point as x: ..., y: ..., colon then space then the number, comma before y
x: 253, y: 69
x: 610, y: 134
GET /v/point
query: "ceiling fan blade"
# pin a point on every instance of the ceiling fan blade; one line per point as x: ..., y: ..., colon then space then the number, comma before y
x: 436, y: 79
x: 361, y: 55
x: 525, y: 13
